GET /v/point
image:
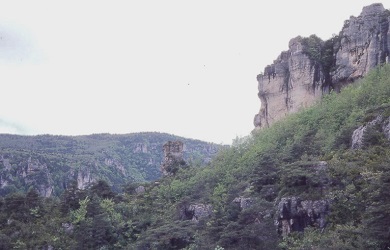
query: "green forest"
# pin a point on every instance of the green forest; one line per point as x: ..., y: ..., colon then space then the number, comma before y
x: 331, y: 161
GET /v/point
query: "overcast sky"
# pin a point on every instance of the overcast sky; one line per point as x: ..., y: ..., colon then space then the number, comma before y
x: 182, y: 67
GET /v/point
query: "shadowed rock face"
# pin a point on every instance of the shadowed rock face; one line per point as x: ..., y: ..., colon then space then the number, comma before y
x: 195, y: 212
x: 294, y: 214
x: 312, y: 67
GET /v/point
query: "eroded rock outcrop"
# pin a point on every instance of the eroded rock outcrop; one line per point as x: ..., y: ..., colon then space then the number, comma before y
x: 386, y: 128
x: 364, y: 43
x: 243, y: 202
x: 358, y: 134
x: 140, y: 147
x: 116, y: 164
x: 84, y: 178
x: 294, y: 214
x: 34, y: 168
x: 195, y: 212
x: 34, y: 173
x: 173, y: 157
x: 296, y: 210
x: 380, y: 126
x: 312, y: 67
x: 140, y: 190
x: 292, y: 82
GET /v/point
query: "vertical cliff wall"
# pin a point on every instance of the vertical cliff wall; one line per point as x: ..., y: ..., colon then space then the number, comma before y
x: 312, y: 67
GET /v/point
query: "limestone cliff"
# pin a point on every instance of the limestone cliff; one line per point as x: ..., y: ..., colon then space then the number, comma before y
x: 364, y: 43
x: 312, y: 67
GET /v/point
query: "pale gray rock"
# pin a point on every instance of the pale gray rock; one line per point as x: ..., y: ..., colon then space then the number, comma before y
x: 34, y: 166
x: 84, y: 178
x: 358, y: 134
x: 6, y: 163
x: 297, y: 80
x: 140, y: 190
x: 386, y: 128
x: 195, y: 212
x: 140, y: 148
x: 364, y: 44
x: 243, y: 202
x: 357, y: 137
x: 116, y: 164
x: 200, y: 211
x: 292, y: 82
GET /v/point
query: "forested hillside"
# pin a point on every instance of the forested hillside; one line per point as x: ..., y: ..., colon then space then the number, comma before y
x: 49, y: 163
x: 318, y: 179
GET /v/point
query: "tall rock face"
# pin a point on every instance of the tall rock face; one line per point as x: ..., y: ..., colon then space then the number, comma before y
x: 364, y: 43
x: 293, y: 81
x: 173, y: 157
x: 311, y: 67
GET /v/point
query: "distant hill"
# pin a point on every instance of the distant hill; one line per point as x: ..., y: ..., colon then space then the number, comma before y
x: 48, y: 163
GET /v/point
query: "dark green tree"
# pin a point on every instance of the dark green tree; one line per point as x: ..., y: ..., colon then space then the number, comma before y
x: 102, y: 190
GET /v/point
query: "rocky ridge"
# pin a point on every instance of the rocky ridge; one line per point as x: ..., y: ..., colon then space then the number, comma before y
x: 311, y: 67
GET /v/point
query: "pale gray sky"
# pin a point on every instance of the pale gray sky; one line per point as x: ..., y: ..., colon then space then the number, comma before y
x: 183, y: 67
